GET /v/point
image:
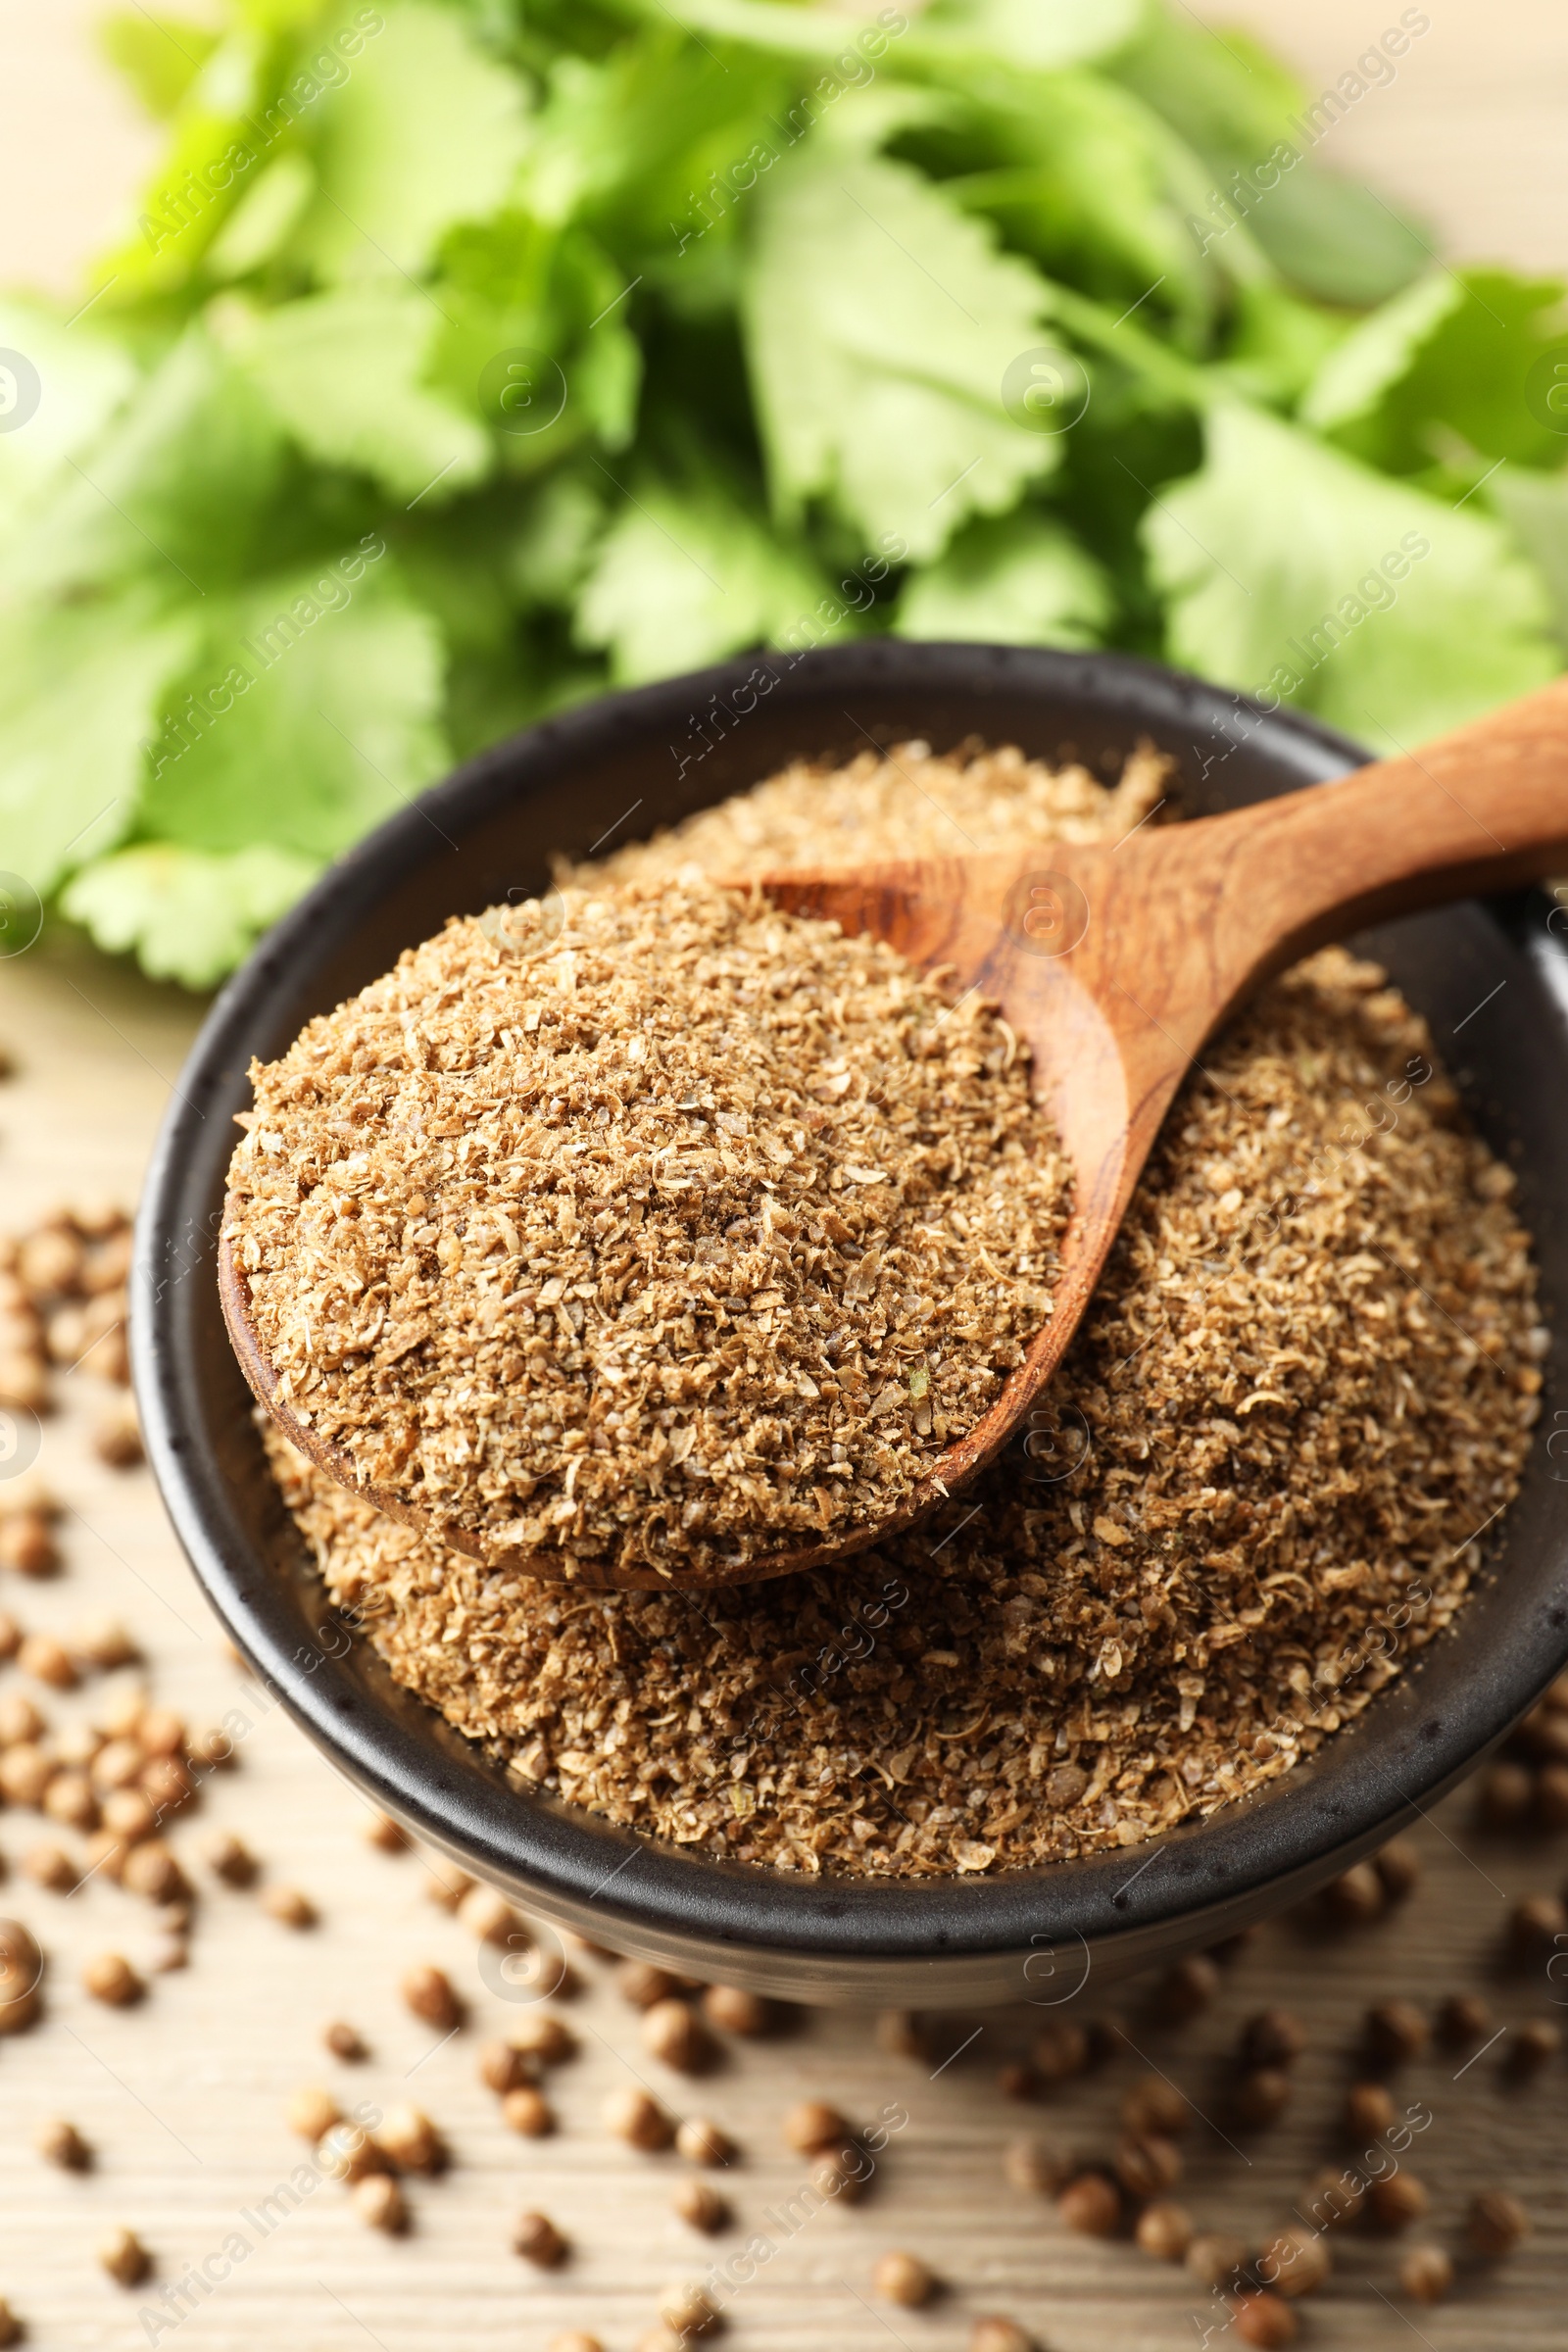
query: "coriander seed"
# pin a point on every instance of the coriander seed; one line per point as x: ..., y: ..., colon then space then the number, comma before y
x: 110, y: 1979
x: 994, y: 2333
x: 61, y: 2143
x: 734, y: 2011
x: 428, y: 1991
x: 1265, y: 2319
x: 903, y: 2279
x: 411, y: 2141
x: 1165, y: 2231
x: 672, y: 2034
x: 527, y: 2111
x: 380, y: 2203
x: 633, y: 2116
x: 1426, y: 2274
x: 1091, y: 2205
x: 1395, y: 2033
x: 1369, y: 2111
x: 1396, y: 2201
x: 701, y: 2205
x: 312, y: 2112
x: 813, y: 2125
x: 702, y: 2142
x: 1497, y: 2225
x: 537, y: 2239
x: 124, y: 2256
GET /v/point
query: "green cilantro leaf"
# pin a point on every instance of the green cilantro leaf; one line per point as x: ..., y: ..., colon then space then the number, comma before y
x: 1293, y: 570
x: 310, y: 712
x: 80, y: 688
x: 428, y: 132
x: 1535, y: 506
x: 1449, y: 357
x: 880, y: 325
x: 185, y: 914
x: 343, y: 372
x: 1022, y: 579
x: 685, y: 574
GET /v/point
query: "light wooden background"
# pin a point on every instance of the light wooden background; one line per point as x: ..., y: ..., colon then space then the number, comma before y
x: 183, y: 2098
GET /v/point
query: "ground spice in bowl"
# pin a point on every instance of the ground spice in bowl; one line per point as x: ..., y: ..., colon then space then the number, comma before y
x: 651, y: 1228
x: 1254, y: 1491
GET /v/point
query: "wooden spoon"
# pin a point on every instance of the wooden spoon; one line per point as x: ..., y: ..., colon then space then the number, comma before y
x: 1117, y: 963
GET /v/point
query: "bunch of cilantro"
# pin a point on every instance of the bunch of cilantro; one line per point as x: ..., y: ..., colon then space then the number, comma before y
x: 466, y: 357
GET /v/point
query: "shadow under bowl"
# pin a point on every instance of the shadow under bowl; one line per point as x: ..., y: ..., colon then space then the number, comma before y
x: 1493, y: 981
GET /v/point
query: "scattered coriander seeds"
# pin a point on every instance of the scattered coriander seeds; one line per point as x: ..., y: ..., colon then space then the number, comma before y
x: 152, y: 1872
x: 1497, y: 2225
x: 1187, y: 1990
x: 734, y: 2011
x: 1214, y: 2260
x: 345, y: 2042
x: 844, y: 2173
x: 488, y: 1917
x: 379, y: 2203
x: 51, y: 1867
x: 542, y: 2036
x: 1396, y: 2201
x: 700, y: 2206
x: 388, y: 1835
x: 1355, y: 1898
x: 25, y: 1773
x: 124, y: 2256
x: 1535, y: 2043
x: 1060, y: 2051
x: 537, y: 2239
x: 1264, y: 2319
x: 20, y: 1722
x: 901, y: 2278
x: 1334, y: 2197
x: 1426, y: 2274
x: 701, y: 2142
x: 993, y: 2334
x: 1091, y: 2205
x: 901, y: 2033
x: 312, y: 2112
x: 47, y: 1661
x: 1369, y: 2111
x: 575, y: 2339
x: 1463, y: 2019
x: 410, y: 2141
x: 1261, y: 2095
x: 527, y: 2111
x: 1152, y: 2105
x: 288, y: 1907
x: 1395, y: 2033
x: 504, y: 2068
x: 633, y: 2116
x: 1505, y: 1795
x: 1535, y: 1926
x: 641, y: 1983
x: 686, y: 2311
x: 813, y: 2125
x: 1273, y: 2037
x: 109, y: 1978
x: 447, y: 1886
x: 230, y: 1859
x: 670, y: 2031
x: 1294, y: 2262
x: 11, y: 2328
x: 1164, y: 2230
x: 428, y: 1991
x: 60, y: 2143
x: 347, y: 2152
x: 1148, y: 2167
x: 1398, y: 1866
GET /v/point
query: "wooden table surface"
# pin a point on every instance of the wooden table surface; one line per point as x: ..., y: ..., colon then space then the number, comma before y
x: 182, y: 2098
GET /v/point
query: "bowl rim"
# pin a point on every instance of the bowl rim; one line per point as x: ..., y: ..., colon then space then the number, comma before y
x: 1293, y: 1832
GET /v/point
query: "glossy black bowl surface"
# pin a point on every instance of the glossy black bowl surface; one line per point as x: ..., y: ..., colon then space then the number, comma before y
x: 1493, y: 984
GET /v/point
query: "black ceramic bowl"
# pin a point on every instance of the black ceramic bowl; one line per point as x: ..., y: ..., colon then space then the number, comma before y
x: 1490, y: 981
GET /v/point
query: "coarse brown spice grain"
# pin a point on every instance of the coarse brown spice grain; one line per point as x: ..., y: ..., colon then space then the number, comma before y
x: 1307, y: 1378
x: 659, y: 1246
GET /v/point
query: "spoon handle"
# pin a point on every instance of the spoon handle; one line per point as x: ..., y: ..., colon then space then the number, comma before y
x: 1484, y: 808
